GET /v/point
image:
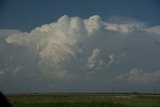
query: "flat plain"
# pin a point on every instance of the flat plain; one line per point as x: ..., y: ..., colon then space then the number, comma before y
x: 84, y: 100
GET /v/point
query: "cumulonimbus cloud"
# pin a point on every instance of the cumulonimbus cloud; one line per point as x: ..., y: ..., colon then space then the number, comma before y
x: 72, y: 47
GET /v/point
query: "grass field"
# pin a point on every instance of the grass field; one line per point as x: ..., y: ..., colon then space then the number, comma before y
x: 84, y: 100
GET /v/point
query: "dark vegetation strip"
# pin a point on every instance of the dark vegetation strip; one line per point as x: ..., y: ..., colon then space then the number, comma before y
x: 85, y: 100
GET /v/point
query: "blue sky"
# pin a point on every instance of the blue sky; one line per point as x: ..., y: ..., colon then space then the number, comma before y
x: 28, y: 14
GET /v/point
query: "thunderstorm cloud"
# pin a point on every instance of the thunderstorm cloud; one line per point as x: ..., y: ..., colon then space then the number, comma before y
x: 74, y: 53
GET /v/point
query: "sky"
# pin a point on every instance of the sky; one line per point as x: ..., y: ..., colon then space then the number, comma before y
x: 28, y: 14
x: 79, y: 45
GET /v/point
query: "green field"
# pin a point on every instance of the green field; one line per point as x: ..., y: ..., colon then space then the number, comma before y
x: 84, y: 100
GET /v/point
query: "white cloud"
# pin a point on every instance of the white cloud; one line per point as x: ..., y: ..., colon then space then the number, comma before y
x: 124, y: 27
x: 113, y: 58
x: 138, y: 76
x: 66, y: 49
x: 154, y: 30
x: 98, y: 62
x: 93, y: 24
x: 92, y: 60
x: 57, y: 43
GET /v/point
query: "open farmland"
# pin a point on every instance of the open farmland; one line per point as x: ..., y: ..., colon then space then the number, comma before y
x: 85, y: 100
